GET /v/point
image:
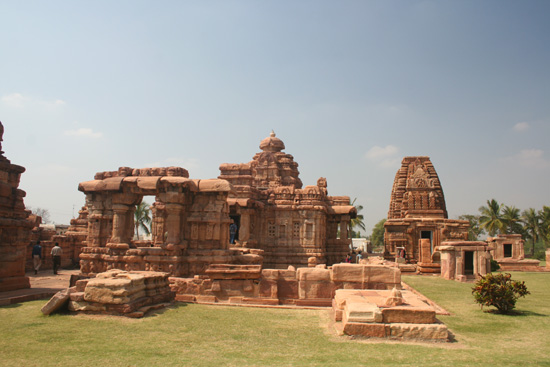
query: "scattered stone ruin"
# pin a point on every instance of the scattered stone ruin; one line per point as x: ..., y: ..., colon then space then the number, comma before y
x: 508, y: 251
x: 115, y: 292
x: 275, y: 214
x: 417, y: 219
x: 15, y: 229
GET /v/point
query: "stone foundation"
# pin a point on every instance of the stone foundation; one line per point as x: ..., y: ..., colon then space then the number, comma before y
x: 300, y: 287
x: 366, y: 313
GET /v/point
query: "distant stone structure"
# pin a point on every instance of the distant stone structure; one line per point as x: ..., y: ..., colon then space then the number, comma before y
x: 15, y: 229
x: 464, y: 260
x: 417, y: 219
x: 71, y: 240
x: 508, y: 251
x: 275, y: 214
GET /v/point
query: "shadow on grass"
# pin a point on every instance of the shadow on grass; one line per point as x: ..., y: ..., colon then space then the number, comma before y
x: 516, y: 313
x: 13, y: 305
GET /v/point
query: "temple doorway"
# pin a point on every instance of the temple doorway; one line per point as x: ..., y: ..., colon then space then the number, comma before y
x: 507, y: 250
x: 428, y: 235
x: 468, y: 263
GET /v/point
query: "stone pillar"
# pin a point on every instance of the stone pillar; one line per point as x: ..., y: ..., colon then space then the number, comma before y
x: 244, y: 230
x: 123, y: 223
x: 158, y: 229
x: 174, y: 213
x: 548, y: 259
x: 344, y: 229
x: 448, y: 262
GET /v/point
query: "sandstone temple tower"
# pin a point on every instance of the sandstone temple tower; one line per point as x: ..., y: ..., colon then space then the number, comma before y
x: 417, y: 219
x: 275, y: 213
x: 15, y: 229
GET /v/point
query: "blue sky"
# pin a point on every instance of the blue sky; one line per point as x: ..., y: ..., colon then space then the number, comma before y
x: 351, y: 87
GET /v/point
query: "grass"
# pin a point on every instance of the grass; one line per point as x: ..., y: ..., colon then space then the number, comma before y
x: 200, y: 335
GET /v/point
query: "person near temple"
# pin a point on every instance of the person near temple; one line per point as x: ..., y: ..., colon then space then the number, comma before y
x: 37, y: 257
x: 56, y: 256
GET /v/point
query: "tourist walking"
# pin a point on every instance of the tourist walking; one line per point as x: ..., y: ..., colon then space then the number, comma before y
x: 232, y: 232
x: 37, y: 256
x: 56, y: 255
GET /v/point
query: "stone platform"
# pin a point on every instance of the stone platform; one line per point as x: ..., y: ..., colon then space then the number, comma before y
x: 376, y: 314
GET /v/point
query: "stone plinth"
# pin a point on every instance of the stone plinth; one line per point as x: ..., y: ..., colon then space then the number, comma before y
x: 311, y: 286
x: 366, y: 313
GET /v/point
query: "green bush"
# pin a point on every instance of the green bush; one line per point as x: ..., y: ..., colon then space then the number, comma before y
x: 499, y: 290
x: 494, y: 266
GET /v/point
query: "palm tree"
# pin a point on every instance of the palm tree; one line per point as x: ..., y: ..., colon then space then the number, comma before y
x: 490, y: 219
x: 544, y: 215
x: 511, y: 219
x: 532, y: 226
x: 142, y: 219
x: 357, y: 221
x: 474, y: 230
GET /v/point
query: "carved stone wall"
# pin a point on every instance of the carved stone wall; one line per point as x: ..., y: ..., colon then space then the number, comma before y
x: 290, y: 223
x: 15, y: 229
x: 508, y: 251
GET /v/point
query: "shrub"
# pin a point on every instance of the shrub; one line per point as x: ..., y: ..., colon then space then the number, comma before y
x: 499, y: 290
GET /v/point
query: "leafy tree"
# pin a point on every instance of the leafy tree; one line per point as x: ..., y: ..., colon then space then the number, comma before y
x: 475, y: 230
x: 511, y: 220
x: 544, y: 215
x: 499, y: 290
x: 142, y: 218
x: 41, y: 212
x: 377, y: 236
x: 490, y: 219
x: 532, y: 226
x: 357, y: 221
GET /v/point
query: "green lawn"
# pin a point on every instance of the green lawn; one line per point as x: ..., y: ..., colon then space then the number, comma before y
x: 198, y: 335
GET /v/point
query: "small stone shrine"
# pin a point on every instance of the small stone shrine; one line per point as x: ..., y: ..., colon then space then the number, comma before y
x: 417, y: 219
x: 274, y: 213
x: 15, y: 229
x: 508, y: 251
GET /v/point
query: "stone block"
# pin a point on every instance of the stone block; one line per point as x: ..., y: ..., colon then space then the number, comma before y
x: 206, y: 299
x: 185, y: 298
x: 438, y: 332
x: 364, y: 312
x: 313, y: 274
x: 367, y: 330
x: 408, y: 315
x: 58, y: 301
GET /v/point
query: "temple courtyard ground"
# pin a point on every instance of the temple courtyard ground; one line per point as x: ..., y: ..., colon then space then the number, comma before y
x: 202, y: 335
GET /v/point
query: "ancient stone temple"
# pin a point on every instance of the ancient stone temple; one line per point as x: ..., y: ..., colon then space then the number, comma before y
x: 508, y: 251
x: 190, y: 223
x: 275, y: 213
x: 15, y: 229
x: 417, y: 219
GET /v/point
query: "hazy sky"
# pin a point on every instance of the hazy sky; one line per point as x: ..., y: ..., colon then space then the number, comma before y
x: 351, y: 87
